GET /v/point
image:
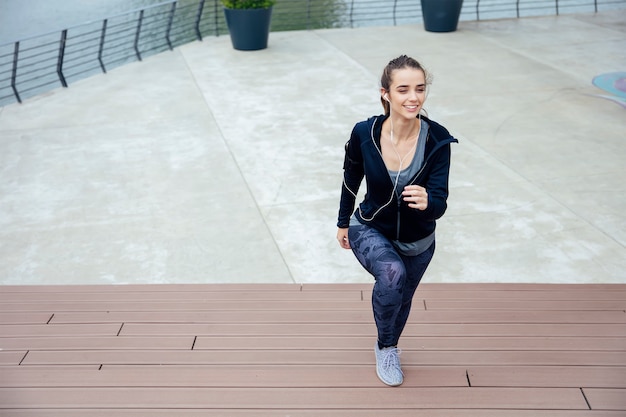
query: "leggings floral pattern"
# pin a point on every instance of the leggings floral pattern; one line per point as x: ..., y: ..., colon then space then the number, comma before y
x: 396, y: 279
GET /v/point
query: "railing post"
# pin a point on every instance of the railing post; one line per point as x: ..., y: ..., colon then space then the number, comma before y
x: 477, y: 11
x: 517, y: 8
x: 101, y: 49
x: 556, y: 3
x: 217, y: 24
x: 139, y: 22
x: 198, y: 18
x: 169, y: 25
x: 61, y: 57
x: 308, y: 14
x: 16, y: 52
x: 351, y: 13
x: 395, y: 3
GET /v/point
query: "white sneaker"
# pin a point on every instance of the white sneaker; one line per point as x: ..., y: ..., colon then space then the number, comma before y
x: 388, y: 365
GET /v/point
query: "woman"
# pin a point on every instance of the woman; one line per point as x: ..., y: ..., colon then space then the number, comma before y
x: 405, y: 159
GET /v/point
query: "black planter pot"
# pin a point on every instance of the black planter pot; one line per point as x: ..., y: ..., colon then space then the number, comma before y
x: 249, y: 28
x: 441, y: 15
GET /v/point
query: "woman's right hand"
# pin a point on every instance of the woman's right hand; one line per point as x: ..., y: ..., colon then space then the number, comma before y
x: 342, y: 237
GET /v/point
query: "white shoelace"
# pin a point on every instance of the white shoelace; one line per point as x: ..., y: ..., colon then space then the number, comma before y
x: 391, y: 358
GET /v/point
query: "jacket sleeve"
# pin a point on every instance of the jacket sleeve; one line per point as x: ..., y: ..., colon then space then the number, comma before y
x: 353, y: 174
x: 437, y: 185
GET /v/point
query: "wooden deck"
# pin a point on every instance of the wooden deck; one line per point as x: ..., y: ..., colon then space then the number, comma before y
x: 471, y: 350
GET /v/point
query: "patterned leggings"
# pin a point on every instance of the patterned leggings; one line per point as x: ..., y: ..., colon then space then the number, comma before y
x: 397, y: 277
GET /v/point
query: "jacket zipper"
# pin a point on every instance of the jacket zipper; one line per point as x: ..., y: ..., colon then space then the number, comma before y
x: 415, y: 177
x: 398, y: 220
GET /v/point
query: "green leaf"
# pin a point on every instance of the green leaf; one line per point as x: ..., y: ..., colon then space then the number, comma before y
x: 248, y: 4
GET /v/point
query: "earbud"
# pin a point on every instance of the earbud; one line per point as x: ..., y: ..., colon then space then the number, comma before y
x: 386, y: 97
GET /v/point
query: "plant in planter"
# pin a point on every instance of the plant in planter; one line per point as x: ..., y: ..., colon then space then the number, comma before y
x: 441, y: 15
x: 248, y: 23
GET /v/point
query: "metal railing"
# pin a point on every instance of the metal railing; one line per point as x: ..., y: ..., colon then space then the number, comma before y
x: 34, y: 65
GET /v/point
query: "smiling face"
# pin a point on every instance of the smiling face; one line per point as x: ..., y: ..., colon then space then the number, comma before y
x: 405, y: 82
x: 406, y: 92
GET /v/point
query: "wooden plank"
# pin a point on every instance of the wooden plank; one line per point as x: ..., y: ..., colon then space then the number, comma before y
x: 548, y: 376
x: 348, y: 295
x: 558, y: 293
x: 449, y: 288
x: 167, y: 346
x: 323, y: 357
x: 364, y: 329
x: 25, y: 318
x: 212, y: 305
x: 216, y: 316
x: 96, y: 342
x: 250, y: 329
x: 273, y: 287
x: 180, y: 357
x: 182, y: 412
x: 41, y: 330
x: 286, y: 398
x: 533, y: 316
x: 543, y: 358
x: 337, y: 286
x: 618, y: 294
x: 606, y: 398
x: 247, y: 314
x: 513, y: 343
x: 142, y: 288
x: 221, y: 376
x: 517, y: 329
x: 417, y: 343
x: 5, y: 369
x: 519, y: 286
x: 11, y: 357
x: 528, y: 305
x: 431, y: 286
x: 496, y: 290
x: 50, y: 307
x: 305, y: 413
x: 524, y: 343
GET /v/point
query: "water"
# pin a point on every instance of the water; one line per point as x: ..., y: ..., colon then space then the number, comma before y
x: 21, y: 19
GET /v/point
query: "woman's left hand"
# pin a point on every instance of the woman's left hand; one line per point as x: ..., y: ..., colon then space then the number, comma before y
x: 416, y: 196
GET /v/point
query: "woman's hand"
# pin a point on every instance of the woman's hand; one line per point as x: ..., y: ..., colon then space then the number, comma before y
x: 342, y: 237
x: 416, y: 196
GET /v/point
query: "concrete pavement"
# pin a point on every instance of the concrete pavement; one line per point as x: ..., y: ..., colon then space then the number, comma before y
x: 207, y: 164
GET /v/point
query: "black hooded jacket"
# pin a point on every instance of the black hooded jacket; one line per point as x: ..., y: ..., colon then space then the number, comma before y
x: 381, y: 209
